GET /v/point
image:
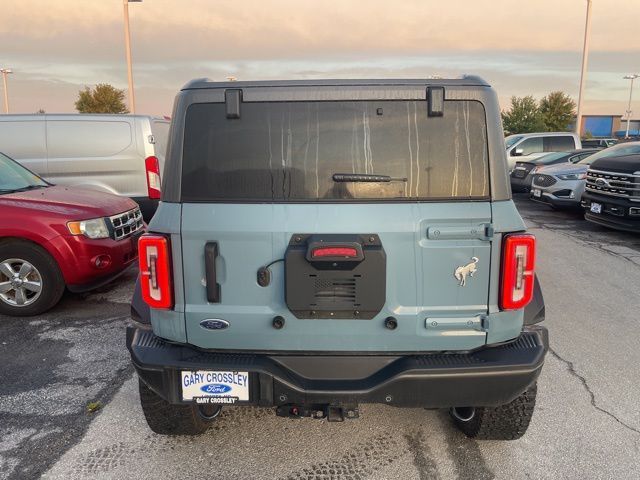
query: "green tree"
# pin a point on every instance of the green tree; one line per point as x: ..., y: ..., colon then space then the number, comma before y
x: 523, y: 116
x: 102, y: 99
x: 558, y: 111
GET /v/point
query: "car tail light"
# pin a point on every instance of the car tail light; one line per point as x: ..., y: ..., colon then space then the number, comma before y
x: 155, y: 271
x: 152, y: 166
x: 518, y: 264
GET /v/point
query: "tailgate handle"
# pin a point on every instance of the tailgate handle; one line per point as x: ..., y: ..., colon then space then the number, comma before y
x: 481, y: 232
x: 213, y: 287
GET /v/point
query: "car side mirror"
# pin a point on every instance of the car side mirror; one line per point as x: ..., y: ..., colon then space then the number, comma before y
x: 517, y: 152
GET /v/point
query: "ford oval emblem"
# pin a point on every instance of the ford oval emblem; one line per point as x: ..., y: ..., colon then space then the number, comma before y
x: 215, y: 388
x: 214, y: 324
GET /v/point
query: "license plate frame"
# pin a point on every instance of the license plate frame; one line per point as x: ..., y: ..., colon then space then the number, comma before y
x: 519, y: 172
x: 537, y: 193
x: 215, y: 386
x: 595, y: 208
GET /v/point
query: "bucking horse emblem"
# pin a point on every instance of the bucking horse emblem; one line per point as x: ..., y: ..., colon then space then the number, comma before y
x: 469, y: 269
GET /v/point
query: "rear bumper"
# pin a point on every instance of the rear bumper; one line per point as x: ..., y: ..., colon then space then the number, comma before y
x: 488, y: 376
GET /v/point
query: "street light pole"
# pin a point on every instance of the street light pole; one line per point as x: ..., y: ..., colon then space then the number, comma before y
x: 127, y: 41
x: 5, y: 72
x: 585, y: 60
x: 631, y: 77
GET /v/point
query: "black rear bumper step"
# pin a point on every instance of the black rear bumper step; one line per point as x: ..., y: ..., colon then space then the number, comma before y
x: 488, y: 376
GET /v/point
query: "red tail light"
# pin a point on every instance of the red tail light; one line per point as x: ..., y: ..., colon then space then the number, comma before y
x: 152, y: 166
x: 155, y: 271
x: 518, y: 264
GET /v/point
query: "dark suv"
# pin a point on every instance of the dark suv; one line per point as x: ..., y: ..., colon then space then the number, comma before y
x: 322, y: 244
x: 612, y: 192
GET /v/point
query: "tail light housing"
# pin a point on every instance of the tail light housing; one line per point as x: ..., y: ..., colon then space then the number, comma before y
x: 152, y: 167
x: 156, y: 281
x: 518, y: 266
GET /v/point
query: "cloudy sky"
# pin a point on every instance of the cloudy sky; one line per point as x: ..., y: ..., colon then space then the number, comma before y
x: 55, y: 47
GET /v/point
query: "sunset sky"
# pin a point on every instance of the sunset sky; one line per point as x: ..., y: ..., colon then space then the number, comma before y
x: 55, y: 47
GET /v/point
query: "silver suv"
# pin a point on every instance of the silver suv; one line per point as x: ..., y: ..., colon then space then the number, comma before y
x: 563, y: 185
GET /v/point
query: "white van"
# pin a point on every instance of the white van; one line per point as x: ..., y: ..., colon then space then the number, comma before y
x: 120, y: 154
x: 534, y: 145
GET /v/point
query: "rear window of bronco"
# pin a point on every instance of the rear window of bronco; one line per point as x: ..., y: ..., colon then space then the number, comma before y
x: 290, y: 151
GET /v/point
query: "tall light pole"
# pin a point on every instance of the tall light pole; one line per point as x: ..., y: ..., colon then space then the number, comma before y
x: 585, y: 60
x: 127, y: 41
x: 631, y: 77
x: 5, y: 72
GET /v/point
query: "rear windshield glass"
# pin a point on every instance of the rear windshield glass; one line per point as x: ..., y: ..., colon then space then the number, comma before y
x: 290, y: 151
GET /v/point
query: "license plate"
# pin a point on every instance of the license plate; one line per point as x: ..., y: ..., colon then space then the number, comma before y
x: 212, y: 387
x: 537, y: 193
x: 596, y: 207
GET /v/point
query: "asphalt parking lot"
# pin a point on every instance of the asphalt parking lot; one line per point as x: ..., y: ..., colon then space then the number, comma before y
x: 586, y: 425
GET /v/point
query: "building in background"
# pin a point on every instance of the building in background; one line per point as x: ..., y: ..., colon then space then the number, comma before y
x: 600, y: 125
x: 607, y: 126
x: 634, y: 129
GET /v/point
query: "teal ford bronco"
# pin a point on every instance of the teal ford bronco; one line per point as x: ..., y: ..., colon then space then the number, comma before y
x: 325, y: 244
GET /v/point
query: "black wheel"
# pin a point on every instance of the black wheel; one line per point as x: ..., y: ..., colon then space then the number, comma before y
x: 506, y: 422
x: 30, y: 279
x: 165, y: 418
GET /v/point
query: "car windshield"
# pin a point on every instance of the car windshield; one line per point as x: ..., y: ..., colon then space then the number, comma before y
x: 550, y: 157
x: 14, y: 177
x: 511, y: 140
x: 615, y: 151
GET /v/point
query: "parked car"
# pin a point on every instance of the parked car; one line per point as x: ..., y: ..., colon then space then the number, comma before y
x: 612, y: 196
x: 563, y: 185
x: 119, y: 154
x: 528, y: 146
x: 599, y: 142
x: 522, y: 174
x: 52, y: 237
x: 363, y: 266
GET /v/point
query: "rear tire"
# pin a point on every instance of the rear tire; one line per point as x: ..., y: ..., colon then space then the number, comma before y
x: 165, y: 418
x: 35, y: 269
x: 506, y: 422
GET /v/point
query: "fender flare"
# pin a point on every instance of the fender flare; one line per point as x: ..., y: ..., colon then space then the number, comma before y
x: 140, y: 311
x: 534, y: 312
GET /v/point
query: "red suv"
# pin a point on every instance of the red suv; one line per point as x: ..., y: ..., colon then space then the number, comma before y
x: 52, y: 237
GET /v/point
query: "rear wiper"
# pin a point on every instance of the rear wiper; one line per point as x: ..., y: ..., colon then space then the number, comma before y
x: 365, y: 177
